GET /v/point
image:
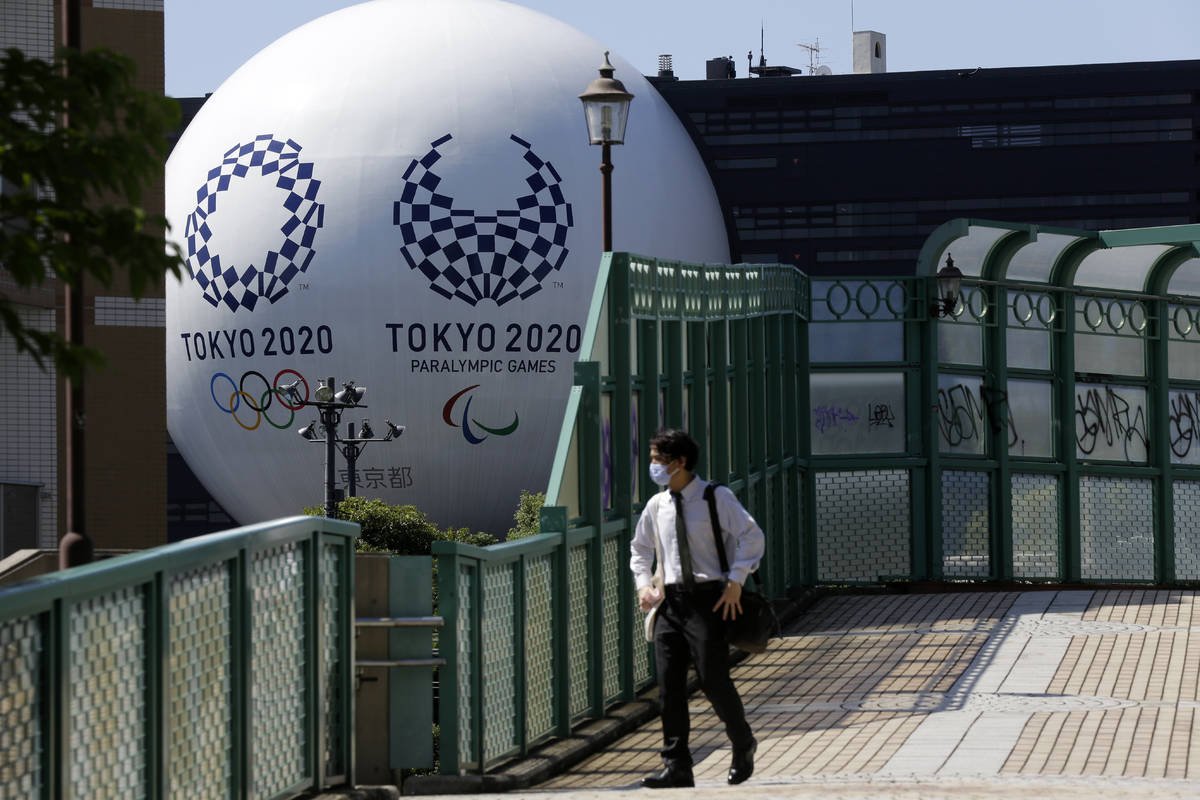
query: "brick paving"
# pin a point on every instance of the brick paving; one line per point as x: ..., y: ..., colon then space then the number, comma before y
x: 955, y: 694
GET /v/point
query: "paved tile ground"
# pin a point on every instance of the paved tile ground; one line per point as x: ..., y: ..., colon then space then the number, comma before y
x: 957, y: 694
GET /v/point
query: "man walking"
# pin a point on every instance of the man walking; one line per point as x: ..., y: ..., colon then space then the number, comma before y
x: 690, y: 623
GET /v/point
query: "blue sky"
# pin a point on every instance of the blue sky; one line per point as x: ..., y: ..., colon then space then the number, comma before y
x: 206, y: 40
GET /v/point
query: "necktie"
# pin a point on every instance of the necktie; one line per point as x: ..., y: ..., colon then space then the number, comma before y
x: 685, y: 552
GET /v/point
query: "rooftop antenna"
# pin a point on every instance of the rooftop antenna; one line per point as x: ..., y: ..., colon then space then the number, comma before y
x: 814, y: 54
x: 762, y: 59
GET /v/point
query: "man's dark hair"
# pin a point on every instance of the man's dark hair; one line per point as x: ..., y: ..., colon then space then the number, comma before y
x: 675, y: 442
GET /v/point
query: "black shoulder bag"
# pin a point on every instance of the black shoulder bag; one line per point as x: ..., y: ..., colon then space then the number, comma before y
x: 756, y: 625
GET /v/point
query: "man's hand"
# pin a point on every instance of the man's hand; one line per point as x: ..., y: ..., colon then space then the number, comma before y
x: 648, y: 596
x: 730, y: 601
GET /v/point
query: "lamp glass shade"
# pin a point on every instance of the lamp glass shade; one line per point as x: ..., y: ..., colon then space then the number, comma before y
x: 324, y: 393
x: 606, y: 118
x: 949, y: 280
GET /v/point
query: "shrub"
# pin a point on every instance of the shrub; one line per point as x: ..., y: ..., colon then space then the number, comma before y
x: 526, y: 517
x: 400, y: 530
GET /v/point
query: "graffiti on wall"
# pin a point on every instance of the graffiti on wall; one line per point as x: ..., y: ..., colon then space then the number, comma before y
x: 1110, y: 423
x: 964, y: 411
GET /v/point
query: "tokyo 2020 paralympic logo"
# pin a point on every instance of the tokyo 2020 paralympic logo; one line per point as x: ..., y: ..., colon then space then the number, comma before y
x: 448, y: 416
x: 250, y: 400
x: 497, y: 255
x: 243, y: 286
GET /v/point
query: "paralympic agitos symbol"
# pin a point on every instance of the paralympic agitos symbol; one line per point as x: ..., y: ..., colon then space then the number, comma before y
x: 468, y: 433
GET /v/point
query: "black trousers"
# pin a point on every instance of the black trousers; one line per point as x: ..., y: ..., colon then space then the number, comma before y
x: 688, y: 630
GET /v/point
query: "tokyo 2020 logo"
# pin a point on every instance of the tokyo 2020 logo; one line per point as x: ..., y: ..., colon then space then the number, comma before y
x: 244, y: 285
x: 493, y: 255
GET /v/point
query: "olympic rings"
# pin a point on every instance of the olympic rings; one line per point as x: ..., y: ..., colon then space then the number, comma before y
x: 271, y: 393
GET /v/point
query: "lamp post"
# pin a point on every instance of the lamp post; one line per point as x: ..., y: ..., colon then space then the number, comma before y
x: 330, y: 405
x: 606, y: 107
x: 949, y: 281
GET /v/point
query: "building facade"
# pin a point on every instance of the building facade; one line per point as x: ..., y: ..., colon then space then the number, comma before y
x: 126, y: 438
x: 849, y: 173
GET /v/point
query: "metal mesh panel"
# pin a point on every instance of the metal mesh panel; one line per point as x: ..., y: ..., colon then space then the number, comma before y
x: 199, y: 705
x: 332, y: 614
x: 612, y: 614
x: 466, y: 679
x: 539, y: 647
x: 580, y: 647
x: 1116, y: 528
x: 638, y: 646
x: 108, y: 692
x: 966, y: 524
x: 277, y: 670
x: 1187, y: 530
x: 499, y: 712
x: 20, y: 736
x: 1035, y: 521
x: 863, y: 524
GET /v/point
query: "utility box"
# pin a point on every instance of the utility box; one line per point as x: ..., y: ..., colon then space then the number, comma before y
x: 394, y: 670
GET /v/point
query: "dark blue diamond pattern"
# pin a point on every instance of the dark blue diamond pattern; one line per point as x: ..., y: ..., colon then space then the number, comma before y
x: 242, y: 286
x: 496, y: 256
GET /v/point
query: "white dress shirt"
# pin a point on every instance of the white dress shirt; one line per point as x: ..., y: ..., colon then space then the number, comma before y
x: 743, y: 539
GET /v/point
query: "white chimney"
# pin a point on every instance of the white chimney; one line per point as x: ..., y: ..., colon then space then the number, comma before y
x: 870, y: 52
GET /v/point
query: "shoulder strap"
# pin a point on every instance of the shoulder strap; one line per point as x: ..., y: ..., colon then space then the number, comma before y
x: 710, y: 494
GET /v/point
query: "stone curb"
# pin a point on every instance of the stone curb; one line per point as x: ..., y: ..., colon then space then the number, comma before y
x: 589, y: 738
x: 357, y: 793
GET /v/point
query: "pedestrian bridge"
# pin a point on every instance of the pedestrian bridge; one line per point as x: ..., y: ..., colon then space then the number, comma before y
x: 1037, y: 428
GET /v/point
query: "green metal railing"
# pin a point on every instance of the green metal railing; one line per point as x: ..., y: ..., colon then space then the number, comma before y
x: 219, y: 667
x: 1042, y: 431
x: 544, y: 632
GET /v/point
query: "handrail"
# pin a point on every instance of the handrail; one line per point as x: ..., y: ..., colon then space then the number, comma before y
x: 225, y: 660
x: 399, y: 622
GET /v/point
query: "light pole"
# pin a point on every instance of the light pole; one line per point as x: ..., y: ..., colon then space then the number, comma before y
x: 606, y: 107
x: 330, y: 406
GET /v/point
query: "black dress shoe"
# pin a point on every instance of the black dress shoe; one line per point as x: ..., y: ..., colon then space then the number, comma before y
x: 672, y: 777
x: 742, y: 766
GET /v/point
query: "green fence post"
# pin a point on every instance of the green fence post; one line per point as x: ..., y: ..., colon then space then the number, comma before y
x: 1069, y: 534
x: 478, y: 701
x: 553, y: 519
x: 157, y: 609
x: 719, y: 356
x: 1159, y: 342
x: 241, y: 606
x: 741, y: 405
x: 587, y: 376
x: 648, y: 398
x: 347, y: 618
x: 449, y: 608
x: 314, y: 663
x: 995, y: 359
x: 927, y: 538
x: 60, y: 746
x: 807, y: 495
x: 520, y: 674
x: 776, y: 447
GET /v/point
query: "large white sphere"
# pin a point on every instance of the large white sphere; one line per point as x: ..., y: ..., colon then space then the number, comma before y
x: 401, y: 193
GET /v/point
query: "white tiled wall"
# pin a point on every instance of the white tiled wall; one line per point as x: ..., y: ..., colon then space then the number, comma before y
x: 149, y: 312
x: 27, y: 423
x: 29, y: 26
x: 130, y: 5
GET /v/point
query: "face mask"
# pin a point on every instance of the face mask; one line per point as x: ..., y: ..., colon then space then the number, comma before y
x: 660, y: 474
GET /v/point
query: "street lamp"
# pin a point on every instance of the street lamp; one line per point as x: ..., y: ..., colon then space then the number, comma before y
x: 330, y: 405
x: 606, y: 107
x: 949, y: 281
